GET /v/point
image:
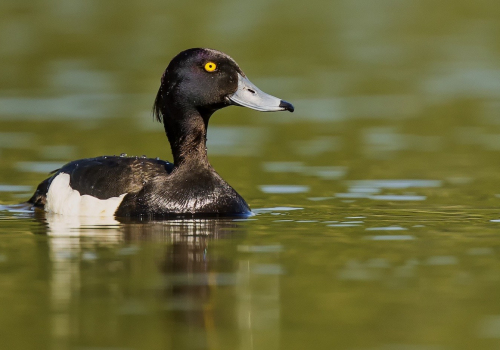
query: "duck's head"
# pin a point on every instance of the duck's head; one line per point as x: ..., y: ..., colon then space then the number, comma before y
x: 206, y: 80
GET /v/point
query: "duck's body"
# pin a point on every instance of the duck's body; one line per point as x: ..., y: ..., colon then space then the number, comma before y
x: 133, y: 186
x: 190, y: 92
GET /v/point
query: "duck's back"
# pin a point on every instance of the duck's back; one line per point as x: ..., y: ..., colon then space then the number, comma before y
x: 96, y: 186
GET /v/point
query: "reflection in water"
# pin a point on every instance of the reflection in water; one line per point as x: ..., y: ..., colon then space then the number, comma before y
x: 391, y: 238
x: 67, y: 248
x: 15, y: 188
x: 395, y: 184
x: 284, y: 188
x: 189, y: 281
x: 324, y: 172
x: 370, y: 189
x: 186, y: 275
x: 16, y: 140
x: 79, y: 226
x: 236, y: 141
x: 39, y: 167
x: 89, y: 106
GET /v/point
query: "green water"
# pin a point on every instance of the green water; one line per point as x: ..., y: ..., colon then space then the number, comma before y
x: 377, y: 201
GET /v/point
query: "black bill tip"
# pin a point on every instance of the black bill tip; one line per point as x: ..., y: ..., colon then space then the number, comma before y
x: 287, y: 106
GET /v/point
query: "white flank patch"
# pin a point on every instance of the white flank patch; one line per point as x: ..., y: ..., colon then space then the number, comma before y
x: 62, y: 199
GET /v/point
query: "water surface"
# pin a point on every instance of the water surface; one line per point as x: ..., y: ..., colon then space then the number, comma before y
x: 377, y: 201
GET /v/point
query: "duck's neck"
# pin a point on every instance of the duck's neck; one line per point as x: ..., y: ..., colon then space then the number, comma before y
x: 187, y: 133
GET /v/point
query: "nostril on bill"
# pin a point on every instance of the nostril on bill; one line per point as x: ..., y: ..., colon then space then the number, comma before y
x: 252, y: 91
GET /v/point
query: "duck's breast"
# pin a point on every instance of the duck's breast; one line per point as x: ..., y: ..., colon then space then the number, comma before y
x: 199, y: 192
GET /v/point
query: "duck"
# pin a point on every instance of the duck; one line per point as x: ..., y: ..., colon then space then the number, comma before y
x: 196, y: 83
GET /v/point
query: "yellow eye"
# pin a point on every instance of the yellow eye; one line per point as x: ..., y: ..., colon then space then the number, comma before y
x: 210, y: 66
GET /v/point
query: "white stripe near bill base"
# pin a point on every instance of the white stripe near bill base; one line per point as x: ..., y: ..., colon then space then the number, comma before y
x: 62, y: 199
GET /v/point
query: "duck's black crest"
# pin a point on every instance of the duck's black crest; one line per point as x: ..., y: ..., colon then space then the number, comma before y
x: 157, y: 107
x: 159, y: 102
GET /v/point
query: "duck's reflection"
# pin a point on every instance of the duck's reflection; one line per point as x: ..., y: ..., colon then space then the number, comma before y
x: 190, y: 274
